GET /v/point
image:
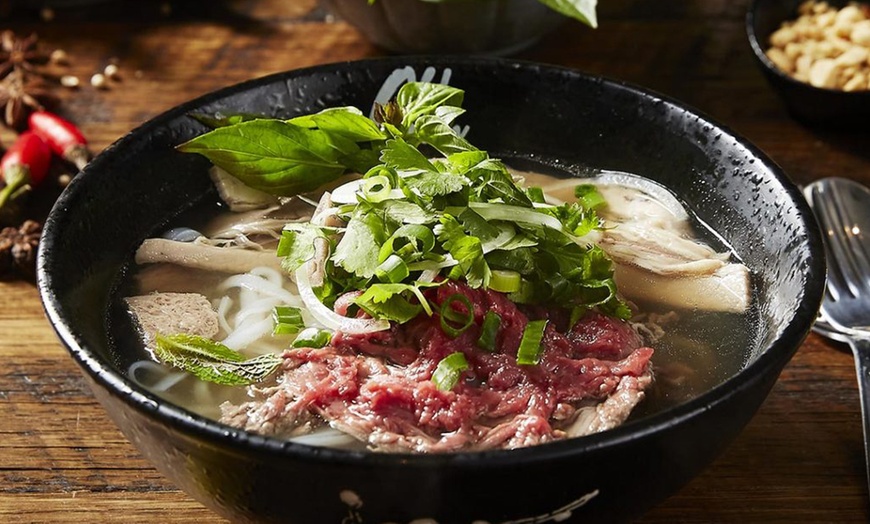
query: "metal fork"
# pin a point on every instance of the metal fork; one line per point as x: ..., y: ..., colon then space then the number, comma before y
x: 842, y: 208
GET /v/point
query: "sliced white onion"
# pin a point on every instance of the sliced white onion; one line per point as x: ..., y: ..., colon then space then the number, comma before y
x: 515, y: 214
x: 346, y: 193
x: 329, y: 318
x: 428, y: 275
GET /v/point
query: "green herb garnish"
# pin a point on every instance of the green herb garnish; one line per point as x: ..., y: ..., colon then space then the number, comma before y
x: 447, y: 374
x: 312, y: 338
x: 529, y: 352
x: 430, y: 207
x: 287, y: 320
x: 454, y: 322
x: 212, y: 361
x: 489, y: 331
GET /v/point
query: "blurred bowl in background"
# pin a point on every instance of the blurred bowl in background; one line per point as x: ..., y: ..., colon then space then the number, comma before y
x: 812, y: 105
x: 497, y: 27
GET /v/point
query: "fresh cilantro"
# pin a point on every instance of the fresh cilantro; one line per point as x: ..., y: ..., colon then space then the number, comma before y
x: 297, y: 244
x: 357, y: 252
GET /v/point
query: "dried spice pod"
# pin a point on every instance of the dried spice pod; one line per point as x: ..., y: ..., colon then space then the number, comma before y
x: 17, y: 54
x: 19, y: 96
x: 18, y: 247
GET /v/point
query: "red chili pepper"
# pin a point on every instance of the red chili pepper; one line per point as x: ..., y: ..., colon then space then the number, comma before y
x: 62, y: 137
x: 25, y: 164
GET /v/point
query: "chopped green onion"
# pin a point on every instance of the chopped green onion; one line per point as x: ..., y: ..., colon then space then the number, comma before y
x: 489, y: 331
x: 285, y: 245
x: 313, y: 338
x: 529, y: 353
x: 536, y: 194
x: 407, y: 240
x: 376, y: 188
x: 524, y: 295
x: 448, y: 314
x: 449, y: 370
x: 392, y: 270
x: 288, y: 320
x: 505, y: 281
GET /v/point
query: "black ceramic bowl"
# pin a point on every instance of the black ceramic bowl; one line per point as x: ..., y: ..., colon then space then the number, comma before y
x: 812, y: 105
x: 131, y: 190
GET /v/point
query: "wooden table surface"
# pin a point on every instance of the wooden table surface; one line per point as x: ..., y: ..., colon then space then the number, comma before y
x: 62, y: 459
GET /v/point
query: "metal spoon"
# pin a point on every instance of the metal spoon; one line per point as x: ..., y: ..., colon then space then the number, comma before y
x: 842, y: 208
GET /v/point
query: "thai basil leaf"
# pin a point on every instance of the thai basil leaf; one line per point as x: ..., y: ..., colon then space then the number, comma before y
x: 220, y: 120
x: 422, y: 98
x: 275, y: 156
x: 348, y: 122
x: 405, y: 158
x: 438, y: 134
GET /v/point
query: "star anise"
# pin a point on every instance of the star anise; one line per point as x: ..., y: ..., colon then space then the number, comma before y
x: 20, y: 95
x: 18, y: 249
x: 21, y: 54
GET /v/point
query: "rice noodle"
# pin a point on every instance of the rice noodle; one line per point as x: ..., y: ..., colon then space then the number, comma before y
x: 167, y: 379
x: 246, y: 303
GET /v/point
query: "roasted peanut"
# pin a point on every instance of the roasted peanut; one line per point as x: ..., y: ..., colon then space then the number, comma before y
x: 825, y: 46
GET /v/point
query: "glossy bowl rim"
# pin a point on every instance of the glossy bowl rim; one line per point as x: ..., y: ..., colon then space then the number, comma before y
x: 770, y: 67
x: 770, y: 360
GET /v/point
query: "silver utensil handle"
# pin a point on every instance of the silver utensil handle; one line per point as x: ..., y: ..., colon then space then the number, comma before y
x: 861, y: 351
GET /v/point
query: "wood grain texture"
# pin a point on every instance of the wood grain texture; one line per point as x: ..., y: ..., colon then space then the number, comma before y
x: 62, y: 459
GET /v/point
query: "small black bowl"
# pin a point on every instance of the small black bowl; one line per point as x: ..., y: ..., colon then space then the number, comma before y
x: 141, y: 182
x: 812, y: 105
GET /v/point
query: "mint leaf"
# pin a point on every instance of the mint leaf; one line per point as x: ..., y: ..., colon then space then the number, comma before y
x: 212, y: 361
x: 275, y: 156
x: 422, y: 98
